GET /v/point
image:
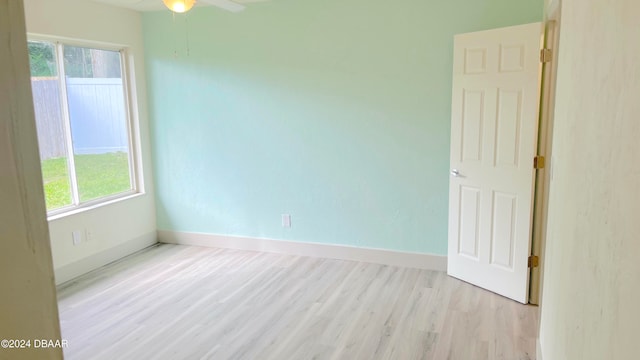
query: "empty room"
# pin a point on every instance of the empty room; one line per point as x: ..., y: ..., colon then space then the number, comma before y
x: 319, y: 179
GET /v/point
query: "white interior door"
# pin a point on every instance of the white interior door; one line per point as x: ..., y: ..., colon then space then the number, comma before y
x: 494, y: 125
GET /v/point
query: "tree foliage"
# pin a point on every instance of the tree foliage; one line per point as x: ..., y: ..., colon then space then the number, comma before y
x: 42, y: 59
x: 79, y: 62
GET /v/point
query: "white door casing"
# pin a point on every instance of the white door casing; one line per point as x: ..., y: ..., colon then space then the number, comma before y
x: 494, y: 125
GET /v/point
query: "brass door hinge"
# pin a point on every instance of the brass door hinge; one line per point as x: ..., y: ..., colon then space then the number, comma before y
x: 538, y: 162
x: 545, y: 55
x: 533, y: 261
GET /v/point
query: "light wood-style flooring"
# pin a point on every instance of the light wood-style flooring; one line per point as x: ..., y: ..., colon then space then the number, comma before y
x: 181, y: 302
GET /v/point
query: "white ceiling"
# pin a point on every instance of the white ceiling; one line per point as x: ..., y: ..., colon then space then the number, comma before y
x: 154, y: 5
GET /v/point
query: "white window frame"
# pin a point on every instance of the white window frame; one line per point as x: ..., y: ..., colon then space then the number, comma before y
x: 134, y: 153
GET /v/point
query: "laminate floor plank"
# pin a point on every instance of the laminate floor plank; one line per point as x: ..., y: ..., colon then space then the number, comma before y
x: 182, y: 302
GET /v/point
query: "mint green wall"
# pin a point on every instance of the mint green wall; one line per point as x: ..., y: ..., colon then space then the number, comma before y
x: 334, y: 111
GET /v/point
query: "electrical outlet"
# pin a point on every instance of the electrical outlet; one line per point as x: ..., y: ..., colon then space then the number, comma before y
x: 90, y: 235
x: 76, y: 235
x: 286, y: 220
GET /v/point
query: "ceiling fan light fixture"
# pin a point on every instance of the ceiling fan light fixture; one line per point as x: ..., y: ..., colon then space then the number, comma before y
x: 179, y: 6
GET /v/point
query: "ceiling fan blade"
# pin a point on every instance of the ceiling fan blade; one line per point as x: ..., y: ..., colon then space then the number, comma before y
x: 225, y: 4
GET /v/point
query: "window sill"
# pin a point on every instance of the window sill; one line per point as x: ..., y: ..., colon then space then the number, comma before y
x: 92, y: 206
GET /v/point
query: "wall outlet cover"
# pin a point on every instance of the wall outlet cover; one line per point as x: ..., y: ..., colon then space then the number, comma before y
x: 76, y: 235
x: 286, y: 220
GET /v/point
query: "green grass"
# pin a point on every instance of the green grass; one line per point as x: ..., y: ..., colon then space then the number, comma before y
x: 56, y: 183
x: 98, y: 176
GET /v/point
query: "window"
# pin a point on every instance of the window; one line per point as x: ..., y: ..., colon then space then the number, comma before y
x: 83, y: 125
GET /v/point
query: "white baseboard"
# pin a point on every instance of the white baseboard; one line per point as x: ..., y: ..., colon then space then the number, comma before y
x: 92, y: 262
x: 342, y: 252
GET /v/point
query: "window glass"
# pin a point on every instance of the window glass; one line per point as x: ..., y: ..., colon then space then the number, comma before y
x: 84, y: 142
x: 97, y: 114
x: 45, y: 85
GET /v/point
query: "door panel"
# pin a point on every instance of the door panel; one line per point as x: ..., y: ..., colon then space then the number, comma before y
x: 469, y: 218
x: 494, y: 127
x: 502, y: 234
x: 472, y: 125
x: 507, y: 147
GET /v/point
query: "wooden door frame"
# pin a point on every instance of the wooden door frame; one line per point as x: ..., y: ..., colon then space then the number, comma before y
x: 545, y: 142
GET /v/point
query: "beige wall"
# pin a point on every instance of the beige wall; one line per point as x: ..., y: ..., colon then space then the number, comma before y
x: 592, y: 272
x: 126, y: 226
x: 28, y: 308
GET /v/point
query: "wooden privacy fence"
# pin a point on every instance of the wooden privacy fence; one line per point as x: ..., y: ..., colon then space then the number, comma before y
x: 96, y: 110
x: 46, y: 103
